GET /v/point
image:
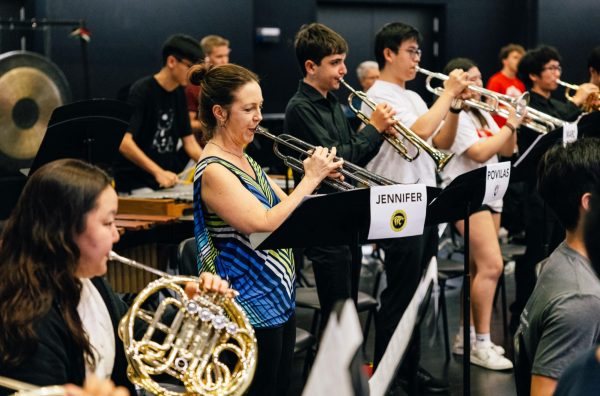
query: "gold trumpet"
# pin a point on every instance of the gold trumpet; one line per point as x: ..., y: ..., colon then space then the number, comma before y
x: 592, y: 102
x: 535, y: 119
x: 439, y: 157
x: 190, y: 345
x: 350, y: 171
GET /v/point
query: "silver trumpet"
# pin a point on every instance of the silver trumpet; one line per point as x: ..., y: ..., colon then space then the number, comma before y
x: 534, y: 119
x: 439, y: 157
x: 188, y: 345
x: 350, y: 171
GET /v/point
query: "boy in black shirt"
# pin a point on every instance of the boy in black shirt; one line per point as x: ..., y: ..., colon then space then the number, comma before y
x: 160, y: 118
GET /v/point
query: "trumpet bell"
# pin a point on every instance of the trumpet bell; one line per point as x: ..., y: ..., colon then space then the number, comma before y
x: 208, y: 344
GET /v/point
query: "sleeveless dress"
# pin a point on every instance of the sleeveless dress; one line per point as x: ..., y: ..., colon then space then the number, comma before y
x: 265, y: 279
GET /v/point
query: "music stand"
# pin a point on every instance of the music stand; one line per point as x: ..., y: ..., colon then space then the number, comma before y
x: 458, y: 201
x: 341, y: 218
x: 90, y: 130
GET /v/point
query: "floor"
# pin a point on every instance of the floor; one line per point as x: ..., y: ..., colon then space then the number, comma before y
x: 483, y: 382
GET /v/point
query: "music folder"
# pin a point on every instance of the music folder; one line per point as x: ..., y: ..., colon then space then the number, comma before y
x: 90, y: 130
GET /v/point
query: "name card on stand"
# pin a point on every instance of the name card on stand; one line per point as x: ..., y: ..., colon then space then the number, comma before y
x: 397, y: 211
x: 496, y: 181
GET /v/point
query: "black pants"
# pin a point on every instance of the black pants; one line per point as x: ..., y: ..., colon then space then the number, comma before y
x: 405, y: 260
x: 332, y: 266
x: 543, y: 233
x: 275, y: 358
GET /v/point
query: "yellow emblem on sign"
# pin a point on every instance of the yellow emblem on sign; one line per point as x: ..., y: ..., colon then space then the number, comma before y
x: 398, y: 220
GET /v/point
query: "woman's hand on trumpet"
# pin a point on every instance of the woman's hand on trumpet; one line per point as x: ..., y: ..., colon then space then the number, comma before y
x: 382, y: 117
x: 322, y: 163
x: 515, y: 119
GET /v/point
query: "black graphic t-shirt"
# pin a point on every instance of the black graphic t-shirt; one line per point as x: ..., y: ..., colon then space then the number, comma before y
x: 159, y: 119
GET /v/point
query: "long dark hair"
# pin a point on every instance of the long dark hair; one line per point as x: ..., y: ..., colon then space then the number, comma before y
x: 39, y: 255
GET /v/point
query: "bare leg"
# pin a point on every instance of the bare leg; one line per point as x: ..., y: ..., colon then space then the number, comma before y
x: 486, y: 267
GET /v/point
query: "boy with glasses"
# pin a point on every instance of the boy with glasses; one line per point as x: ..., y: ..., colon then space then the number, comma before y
x: 398, y: 54
x: 159, y: 120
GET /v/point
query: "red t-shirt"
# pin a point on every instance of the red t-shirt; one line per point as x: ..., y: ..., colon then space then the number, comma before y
x: 505, y: 85
x: 191, y: 95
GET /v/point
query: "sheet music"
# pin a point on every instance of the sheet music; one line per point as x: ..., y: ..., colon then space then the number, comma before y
x: 182, y: 192
x: 531, y: 146
x: 330, y: 374
x: 381, y: 379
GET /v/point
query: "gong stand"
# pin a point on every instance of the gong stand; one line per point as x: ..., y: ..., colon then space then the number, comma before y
x: 35, y: 24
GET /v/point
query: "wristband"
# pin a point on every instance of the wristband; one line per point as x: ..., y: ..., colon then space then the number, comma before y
x: 456, y: 106
x: 455, y: 111
x: 511, y: 127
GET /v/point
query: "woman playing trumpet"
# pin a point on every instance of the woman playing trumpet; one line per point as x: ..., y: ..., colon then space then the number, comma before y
x: 478, y: 142
x: 58, y: 316
x: 233, y: 197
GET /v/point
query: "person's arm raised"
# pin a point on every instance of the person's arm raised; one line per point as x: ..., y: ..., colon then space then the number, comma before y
x: 226, y: 196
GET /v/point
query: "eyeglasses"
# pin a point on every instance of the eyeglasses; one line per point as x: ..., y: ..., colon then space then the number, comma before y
x: 553, y: 68
x: 185, y: 62
x: 414, y: 53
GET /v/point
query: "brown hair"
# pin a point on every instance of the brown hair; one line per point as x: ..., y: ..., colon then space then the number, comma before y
x: 218, y: 85
x: 316, y: 41
x: 39, y: 255
x: 507, y: 49
x: 208, y: 43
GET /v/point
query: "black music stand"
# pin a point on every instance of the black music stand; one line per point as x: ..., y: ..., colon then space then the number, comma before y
x: 340, y: 218
x: 91, y: 130
x: 458, y: 201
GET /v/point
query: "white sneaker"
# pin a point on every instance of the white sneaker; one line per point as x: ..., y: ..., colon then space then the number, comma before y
x: 458, y: 347
x: 486, y: 356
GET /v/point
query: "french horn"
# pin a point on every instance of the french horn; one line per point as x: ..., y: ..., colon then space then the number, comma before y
x: 205, y: 342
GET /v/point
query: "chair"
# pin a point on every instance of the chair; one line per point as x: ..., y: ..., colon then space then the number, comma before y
x: 306, y: 297
x: 187, y: 256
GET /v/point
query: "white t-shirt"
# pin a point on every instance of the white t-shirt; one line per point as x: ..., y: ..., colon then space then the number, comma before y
x: 388, y: 163
x: 469, y: 132
x: 98, y: 326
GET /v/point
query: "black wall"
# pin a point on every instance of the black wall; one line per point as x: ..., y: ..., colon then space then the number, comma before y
x: 127, y: 35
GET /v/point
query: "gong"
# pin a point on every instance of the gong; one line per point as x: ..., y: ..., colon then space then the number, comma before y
x: 31, y: 87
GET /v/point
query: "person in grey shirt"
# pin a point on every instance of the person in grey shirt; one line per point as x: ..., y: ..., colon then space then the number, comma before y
x: 562, y: 317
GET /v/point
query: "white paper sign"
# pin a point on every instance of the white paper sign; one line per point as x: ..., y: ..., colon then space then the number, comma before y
x: 330, y: 374
x: 570, y: 132
x: 383, y: 376
x: 397, y: 211
x: 496, y: 181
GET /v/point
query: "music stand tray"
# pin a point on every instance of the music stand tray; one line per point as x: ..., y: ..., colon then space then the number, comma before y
x: 90, y: 130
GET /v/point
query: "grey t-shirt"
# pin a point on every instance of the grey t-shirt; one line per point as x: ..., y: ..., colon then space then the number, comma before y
x: 562, y: 317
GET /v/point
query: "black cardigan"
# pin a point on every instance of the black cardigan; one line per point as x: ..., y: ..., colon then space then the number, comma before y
x: 57, y: 360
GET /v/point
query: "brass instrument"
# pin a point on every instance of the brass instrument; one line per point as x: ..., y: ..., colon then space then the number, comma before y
x: 349, y: 170
x: 191, y: 346
x: 439, y: 157
x: 25, y: 389
x: 535, y: 119
x: 592, y: 103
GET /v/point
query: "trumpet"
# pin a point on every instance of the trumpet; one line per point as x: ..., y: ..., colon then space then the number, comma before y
x: 350, y: 171
x: 439, y: 157
x: 592, y: 102
x: 535, y: 119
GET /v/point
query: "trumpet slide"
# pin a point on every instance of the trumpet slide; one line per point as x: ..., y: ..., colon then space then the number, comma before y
x: 592, y: 102
x: 349, y: 170
x: 439, y: 157
x: 535, y: 119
